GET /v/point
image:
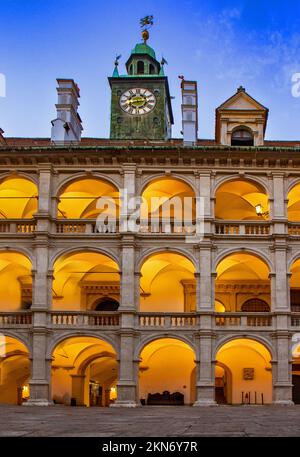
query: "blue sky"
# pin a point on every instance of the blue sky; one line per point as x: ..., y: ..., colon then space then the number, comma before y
x: 220, y: 43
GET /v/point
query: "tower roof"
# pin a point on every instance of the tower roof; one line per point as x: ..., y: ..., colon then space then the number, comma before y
x: 143, y: 48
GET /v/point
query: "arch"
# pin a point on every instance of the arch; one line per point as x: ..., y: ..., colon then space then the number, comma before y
x: 78, y: 198
x: 157, y: 273
x: 259, y: 254
x: 106, y: 304
x: 256, y: 180
x: 83, y: 368
x: 84, y: 175
x: 15, y: 280
x: 253, y: 360
x: 156, y: 336
x: 18, y: 196
x: 84, y: 248
x: 57, y: 339
x: 160, y: 176
x: 140, y: 67
x: 293, y: 201
x: 151, y: 69
x: 258, y: 338
x: 82, y: 277
x: 255, y: 305
x: 176, y: 250
x: 242, y: 136
x: 239, y: 198
x: 162, y: 379
x: 15, y: 369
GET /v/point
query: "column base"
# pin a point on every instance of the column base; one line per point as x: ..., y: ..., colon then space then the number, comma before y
x: 283, y: 403
x: 40, y: 402
x: 123, y: 404
x: 204, y: 402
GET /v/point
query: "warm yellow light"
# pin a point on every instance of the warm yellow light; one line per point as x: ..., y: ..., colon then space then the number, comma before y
x: 113, y: 389
x: 25, y: 391
x: 258, y: 209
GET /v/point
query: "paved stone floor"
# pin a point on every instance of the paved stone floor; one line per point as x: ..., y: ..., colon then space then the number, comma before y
x: 150, y: 421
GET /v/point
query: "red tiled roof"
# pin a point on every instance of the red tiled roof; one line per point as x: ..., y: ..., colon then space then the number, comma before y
x: 46, y: 142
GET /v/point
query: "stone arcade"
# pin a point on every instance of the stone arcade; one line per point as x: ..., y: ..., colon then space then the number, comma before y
x: 110, y: 317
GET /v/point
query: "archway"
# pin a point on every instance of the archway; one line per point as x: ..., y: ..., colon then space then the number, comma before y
x: 18, y: 198
x: 82, y: 278
x: 167, y: 373
x: 168, y: 206
x: 242, y: 276
x: 79, y: 199
x: 293, y: 208
x: 15, y: 281
x: 242, y: 136
x: 157, y: 273
x: 14, y: 371
x: 241, y: 199
x: 295, y: 286
x: 84, y: 372
x: 249, y: 364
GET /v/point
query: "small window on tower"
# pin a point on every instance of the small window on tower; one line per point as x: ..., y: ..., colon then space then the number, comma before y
x: 242, y: 137
x: 140, y: 67
x: 151, y: 69
x: 131, y: 70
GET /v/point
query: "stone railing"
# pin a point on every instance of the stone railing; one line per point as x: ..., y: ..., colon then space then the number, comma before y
x: 243, y: 320
x: 83, y: 226
x: 294, y: 228
x: 83, y: 319
x: 17, y: 226
x: 162, y: 320
x: 295, y: 319
x: 253, y: 228
x: 16, y: 319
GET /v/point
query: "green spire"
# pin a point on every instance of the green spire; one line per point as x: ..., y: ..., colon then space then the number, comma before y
x: 115, y: 72
x: 143, y: 48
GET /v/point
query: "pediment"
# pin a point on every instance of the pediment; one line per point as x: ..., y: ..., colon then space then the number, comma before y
x: 242, y: 101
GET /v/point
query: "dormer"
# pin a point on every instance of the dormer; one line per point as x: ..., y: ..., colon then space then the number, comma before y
x: 241, y: 121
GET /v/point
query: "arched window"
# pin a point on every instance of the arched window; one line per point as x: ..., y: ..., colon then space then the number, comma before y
x: 255, y: 305
x: 242, y: 137
x: 140, y: 67
x: 107, y: 304
x: 131, y: 70
x: 151, y: 69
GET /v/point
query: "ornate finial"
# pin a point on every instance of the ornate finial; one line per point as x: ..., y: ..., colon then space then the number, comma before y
x: 145, y: 23
x: 241, y: 89
x: 117, y: 60
x: 163, y: 61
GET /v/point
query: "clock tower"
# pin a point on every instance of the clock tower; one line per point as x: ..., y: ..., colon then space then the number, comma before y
x: 140, y: 100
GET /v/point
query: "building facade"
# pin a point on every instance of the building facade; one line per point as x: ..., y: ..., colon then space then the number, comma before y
x: 98, y: 314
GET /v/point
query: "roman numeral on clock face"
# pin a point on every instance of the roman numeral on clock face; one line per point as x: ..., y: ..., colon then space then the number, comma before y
x: 137, y: 101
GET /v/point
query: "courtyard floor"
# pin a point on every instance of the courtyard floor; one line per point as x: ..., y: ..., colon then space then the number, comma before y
x: 150, y: 421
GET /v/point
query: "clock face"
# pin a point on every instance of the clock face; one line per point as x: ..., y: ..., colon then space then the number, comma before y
x: 137, y: 101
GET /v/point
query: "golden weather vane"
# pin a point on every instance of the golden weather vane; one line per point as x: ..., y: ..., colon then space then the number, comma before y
x: 145, y: 23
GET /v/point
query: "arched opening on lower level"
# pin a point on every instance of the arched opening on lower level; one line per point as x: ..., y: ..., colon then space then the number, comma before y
x: 14, y: 371
x: 243, y: 373
x: 84, y: 372
x: 296, y: 368
x: 167, y: 373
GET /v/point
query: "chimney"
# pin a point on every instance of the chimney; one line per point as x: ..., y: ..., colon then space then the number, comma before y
x: 67, y: 126
x: 2, y: 139
x: 189, y: 110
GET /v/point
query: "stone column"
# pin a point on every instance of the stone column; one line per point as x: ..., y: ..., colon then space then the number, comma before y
x: 205, y: 383
x: 78, y: 388
x: 41, y: 294
x: 126, y: 386
x: 282, y: 370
